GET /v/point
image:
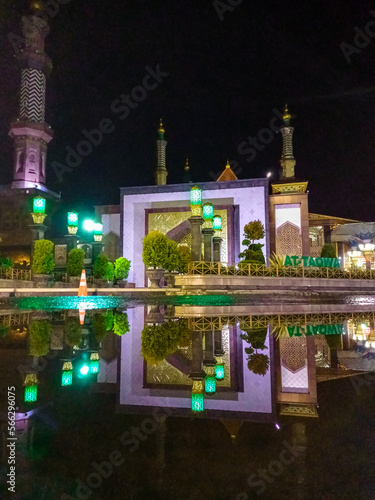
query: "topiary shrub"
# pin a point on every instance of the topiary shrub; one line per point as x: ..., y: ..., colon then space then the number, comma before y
x: 258, y: 364
x: 6, y: 262
x: 329, y: 250
x: 40, y: 333
x: 100, y: 266
x: 254, y: 230
x: 110, y: 272
x: 76, y: 259
x: 154, y: 249
x: 158, y: 341
x: 43, y: 262
x: 120, y: 324
x: 122, y: 268
x: 184, y: 258
x: 73, y: 332
x: 108, y: 319
x: 172, y: 257
x: 99, y: 329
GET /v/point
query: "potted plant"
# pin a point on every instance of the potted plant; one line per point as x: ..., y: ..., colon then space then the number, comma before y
x: 110, y: 273
x: 76, y: 258
x: 185, y: 257
x: 153, y: 256
x: 171, y: 263
x: 43, y: 263
x: 100, y: 269
x: 122, y: 267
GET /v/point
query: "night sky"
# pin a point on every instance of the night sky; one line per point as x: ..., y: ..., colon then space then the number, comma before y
x: 225, y: 78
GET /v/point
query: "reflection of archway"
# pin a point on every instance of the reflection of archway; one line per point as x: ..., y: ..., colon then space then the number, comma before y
x: 288, y: 239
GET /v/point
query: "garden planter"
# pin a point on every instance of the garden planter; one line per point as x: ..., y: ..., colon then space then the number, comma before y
x: 170, y: 279
x: 101, y: 283
x: 122, y: 283
x: 155, y: 275
x: 41, y: 280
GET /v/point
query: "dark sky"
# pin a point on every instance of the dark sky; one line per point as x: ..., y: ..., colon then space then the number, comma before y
x: 225, y: 78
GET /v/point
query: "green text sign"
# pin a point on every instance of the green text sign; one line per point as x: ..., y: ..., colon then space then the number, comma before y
x: 294, y: 260
x: 297, y: 331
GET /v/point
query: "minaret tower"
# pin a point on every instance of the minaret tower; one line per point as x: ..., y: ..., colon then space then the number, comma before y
x: 30, y: 132
x: 287, y: 160
x: 161, y: 170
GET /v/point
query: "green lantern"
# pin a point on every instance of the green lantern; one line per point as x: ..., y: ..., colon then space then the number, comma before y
x: 195, y: 196
x: 31, y: 393
x: 67, y: 378
x: 208, y: 211
x: 217, y: 224
x: 210, y: 385
x: 219, y: 372
x: 197, y: 402
x: 72, y: 219
x: 98, y: 228
x: 39, y: 205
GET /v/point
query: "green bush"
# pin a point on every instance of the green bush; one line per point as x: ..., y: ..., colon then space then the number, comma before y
x: 6, y: 262
x: 172, y: 257
x: 158, y: 341
x: 258, y: 364
x: 122, y: 268
x: 43, y: 262
x: 76, y: 258
x: 154, y: 249
x: 110, y: 272
x: 108, y: 319
x: 120, y: 323
x: 40, y: 333
x: 329, y: 250
x: 73, y: 332
x: 184, y: 258
x: 100, y: 266
x: 99, y: 329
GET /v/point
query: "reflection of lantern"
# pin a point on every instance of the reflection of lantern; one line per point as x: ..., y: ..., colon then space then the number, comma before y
x: 219, y: 372
x: 39, y: 205
x: 98, y: 232
x: 197, y: 398
x: 94, y: 362
x: 217, y: 224
x: 72, y: 222
x: 210, y: 380
x: 208, y: 211
x: 31, y: 393
x: 67, y: 374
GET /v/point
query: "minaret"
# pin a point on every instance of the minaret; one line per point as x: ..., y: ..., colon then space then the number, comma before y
x: 187, y: 178
x: 287, y: 160
x: 161, y: 170
x: 30, y: 132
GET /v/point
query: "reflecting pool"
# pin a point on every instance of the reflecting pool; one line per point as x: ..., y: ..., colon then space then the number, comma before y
x: 194, y: 397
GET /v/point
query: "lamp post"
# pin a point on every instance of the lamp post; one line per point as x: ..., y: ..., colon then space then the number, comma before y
x: 97, y: 245
x: 208, y: 232
x: 72, y: 237
x: 216, y: 240
x: 196, y: 222
x: 37, y: 228
x: 197, y: 373
x: 368, y: 250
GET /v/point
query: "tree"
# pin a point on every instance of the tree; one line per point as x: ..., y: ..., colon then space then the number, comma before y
x: 329, y: 250
x: 253, y: 231
x: 258, y: 364
x: 43, y: 262
x: 76, y: 262
x: 100, y: 266
x: 122, y: 268
x: 154, y: 249
x: 185, y: 257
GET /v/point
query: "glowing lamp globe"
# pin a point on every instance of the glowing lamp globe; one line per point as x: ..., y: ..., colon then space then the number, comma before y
x: 219, y: 372
x: 84, y: 370
x: 39, y: 205
x: 98, y: 228
x: 197, y: 402
x: 31, y: 393
x: 72, y: 219
x: 67, y: 378
x: 89, y: 225
x: 210, y: 385
x: 195, y: 196
x: 217, y: 224
x: 208, y: 211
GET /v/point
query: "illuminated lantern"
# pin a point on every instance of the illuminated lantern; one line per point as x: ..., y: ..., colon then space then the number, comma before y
x: 208, y: 211
x: 98, y: 232
x: 195, y: 196
x: 219, y: 372
x: 67, y: 374
x: 94, y: 362
x: 217, y: 223
x: 197, y: 398
x: 31, y: 393
x: 39, y: 205
x: 84, y: 370
x: 89, y: 225
x: 210, y: 385
x: 72, y: 222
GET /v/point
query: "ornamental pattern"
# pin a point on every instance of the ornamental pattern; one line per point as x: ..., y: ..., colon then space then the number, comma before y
x: 288, y: 240
x: 293, y: 353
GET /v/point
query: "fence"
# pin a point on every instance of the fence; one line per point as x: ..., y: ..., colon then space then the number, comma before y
x: 260, y: 270
x: 9, y: 273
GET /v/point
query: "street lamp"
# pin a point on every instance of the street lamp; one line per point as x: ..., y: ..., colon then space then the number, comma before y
x: 72, y: 222
x: 98, y: 232
x: 196, y: 200
x: 39, y: 210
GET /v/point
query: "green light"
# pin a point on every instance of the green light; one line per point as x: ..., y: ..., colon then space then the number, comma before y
x: 197, y: 402
x: 72, y: 219
x: 98, y: 228
x: 84, y: 370
x: 89, y: 225
x: 219, y: 372
x: 94, y: 366
x: 39, y: 205
x: 67, y: 378
x: 210, y: 385
x: 208, y: 211
x: 195, y: 196
x: 217, y: 225
x: 31, y: 393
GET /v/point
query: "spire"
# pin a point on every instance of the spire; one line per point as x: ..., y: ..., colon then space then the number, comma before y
x: 161, y: 170
x: 287, y: 160
x: 227, y: 174
x: 186, y: 177
x: 187, y: 167
x: 30, y: 132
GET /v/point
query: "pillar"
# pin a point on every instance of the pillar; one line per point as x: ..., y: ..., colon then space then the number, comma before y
x: 216, y: 243
x: 197, y: 372
x: 209, y: 358
x: 218, y: 344
x: 196, y: 222
x: 71, y: 241
x: 207, y: 243
x: 97, y: 248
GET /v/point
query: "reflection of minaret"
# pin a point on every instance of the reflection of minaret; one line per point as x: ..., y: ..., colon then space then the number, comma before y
x: 287, y: 161
x: 187, y: 176
x: 161, y: 169
x: 30, y: 132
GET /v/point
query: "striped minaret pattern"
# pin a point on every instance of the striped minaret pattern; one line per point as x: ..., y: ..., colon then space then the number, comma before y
x: 287, y: 161
x: 161, y: 169
x: 30, y: 132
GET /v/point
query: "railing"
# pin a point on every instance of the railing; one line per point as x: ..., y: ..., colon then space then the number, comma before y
x: 60, y: 276
x: 246, y: 269
x: 9, y: 273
